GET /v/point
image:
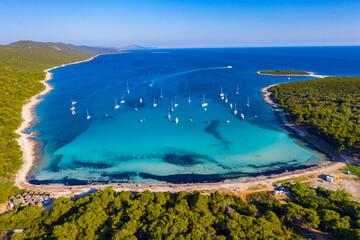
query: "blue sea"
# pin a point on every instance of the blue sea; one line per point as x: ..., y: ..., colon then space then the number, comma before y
x: 204, y: 145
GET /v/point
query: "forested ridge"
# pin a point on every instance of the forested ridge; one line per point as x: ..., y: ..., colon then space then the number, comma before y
x: 21, y: 68
x: 147, y: 215
x: 328, y: 108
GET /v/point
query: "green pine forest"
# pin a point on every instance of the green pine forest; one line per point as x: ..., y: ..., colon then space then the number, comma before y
x: 122, y: 215
x: 328, y: 108
x: 21, y: 68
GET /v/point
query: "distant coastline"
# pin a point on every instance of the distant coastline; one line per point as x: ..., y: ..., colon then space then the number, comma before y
x: 27, y: 145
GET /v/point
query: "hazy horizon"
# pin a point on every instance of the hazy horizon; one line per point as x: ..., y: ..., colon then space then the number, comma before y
x: 183, y: 24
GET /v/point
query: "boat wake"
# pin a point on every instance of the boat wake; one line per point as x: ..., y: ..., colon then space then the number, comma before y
x: 185, y: 72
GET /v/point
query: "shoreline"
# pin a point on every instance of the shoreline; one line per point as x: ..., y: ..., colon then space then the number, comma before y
x: 310, y: 74
x: 318, y: 143
x: 27, y: 145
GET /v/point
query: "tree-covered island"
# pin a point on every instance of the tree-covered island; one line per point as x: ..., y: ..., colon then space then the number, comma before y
x: 284, y: 72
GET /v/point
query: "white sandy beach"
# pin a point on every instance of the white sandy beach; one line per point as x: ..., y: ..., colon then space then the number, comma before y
x: 27, y: 146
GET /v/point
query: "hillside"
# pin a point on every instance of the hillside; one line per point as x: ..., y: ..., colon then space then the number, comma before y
x: 21, y: 68
x: 40, y: 56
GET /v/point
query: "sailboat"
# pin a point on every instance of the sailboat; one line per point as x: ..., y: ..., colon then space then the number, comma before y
x: 230, y: 105
x: 172, y: 106
x: 229, y: 66
x: 221, y: 94
x: 176, y: 120
x: 116, y: 105
x: 72, y: 108
x: 189, y: 98
x: 87, y: 114
x: 169, y: 116
x: 237, y: 90
x: 73, y: 102
x: 204, y: 104
x: 135, y: 107
x: 248, y: 103
x: 122, y: 99
x: 73, y: 113
x: 106, y: 116
x: 154, y: 105
x: 140, y: 100
x: 161, y: 96
x: 127, y: 88
x: 226, y: 99
x: 235, y: 111
x: 242, y: 116
x: 175, y: 105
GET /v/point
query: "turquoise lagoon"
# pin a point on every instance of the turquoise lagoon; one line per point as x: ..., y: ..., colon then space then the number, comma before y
x: 144, y: 145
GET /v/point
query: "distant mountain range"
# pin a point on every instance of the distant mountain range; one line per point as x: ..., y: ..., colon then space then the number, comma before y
x: 129, y: 47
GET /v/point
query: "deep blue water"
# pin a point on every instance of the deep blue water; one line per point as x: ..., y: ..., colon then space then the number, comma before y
x: 144, y: 145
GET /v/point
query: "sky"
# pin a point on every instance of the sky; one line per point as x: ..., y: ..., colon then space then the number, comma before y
x: 183, y: 23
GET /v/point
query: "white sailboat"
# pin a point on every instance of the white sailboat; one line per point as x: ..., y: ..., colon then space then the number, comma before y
x: 73, y: 113
x: 204, y: 104
x: 154, y: 105
x: 235, y: 111
x: 135, y: 108
x: 140, y: 100
x: 127, y: 88
x: 122, y: 99
x: 237, y: 90
x: 189, y: 98
x: 242, y: 116
x: 248, y: 103
x: 175, y: 105
x: 226, y: 99
x: 161, y: 96
x: 172, y: 105
x: 230, y: 105
x: 190, y: 120
x: 87, y: 114
x: 73, y: 102
x: 176, y: 120
x: 221, y: 94
x: 229, y: 66
x: 72, y: 108
x: 116, y: 105
x: 169, y: 116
